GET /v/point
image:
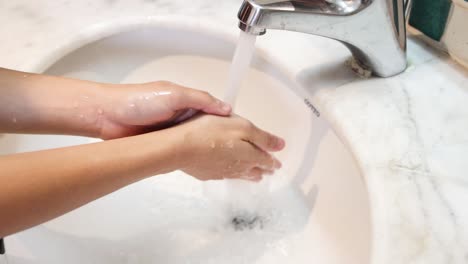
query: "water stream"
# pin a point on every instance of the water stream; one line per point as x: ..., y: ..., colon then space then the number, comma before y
x: 240, y: 193
x: 240, y: 66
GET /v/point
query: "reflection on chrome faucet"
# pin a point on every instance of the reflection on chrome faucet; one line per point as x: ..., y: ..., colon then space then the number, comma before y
x: 373, y: 30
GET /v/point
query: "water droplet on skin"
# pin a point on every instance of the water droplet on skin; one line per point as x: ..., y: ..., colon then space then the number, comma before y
x: 132, y: 105
x: 212, y: 144
x: 161, y: 93
x: 81, y: 116
x: 100, y: 111
x: 14, y: 120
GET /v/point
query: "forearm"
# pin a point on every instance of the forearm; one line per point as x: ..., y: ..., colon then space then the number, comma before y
x: 32, y: 103
x: 39, y: 186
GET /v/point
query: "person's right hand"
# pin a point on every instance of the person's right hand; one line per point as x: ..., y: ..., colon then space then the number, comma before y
x: 217, y: 147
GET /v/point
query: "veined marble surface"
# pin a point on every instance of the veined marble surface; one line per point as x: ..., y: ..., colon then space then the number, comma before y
x: 409, y: 133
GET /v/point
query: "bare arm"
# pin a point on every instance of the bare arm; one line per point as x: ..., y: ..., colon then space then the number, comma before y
x: 32, y: 103
x: 41, y: 104
x: 38, y: 186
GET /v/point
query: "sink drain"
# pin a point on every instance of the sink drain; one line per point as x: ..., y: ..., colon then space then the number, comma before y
x: 247, y: 222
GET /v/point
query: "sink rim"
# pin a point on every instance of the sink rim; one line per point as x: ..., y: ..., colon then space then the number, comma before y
x: 102, y: 30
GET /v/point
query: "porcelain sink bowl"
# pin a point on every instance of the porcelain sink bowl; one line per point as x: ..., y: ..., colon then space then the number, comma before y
x: 314, y: 210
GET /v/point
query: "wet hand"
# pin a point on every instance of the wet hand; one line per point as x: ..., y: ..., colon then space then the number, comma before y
x: 217, y: 147
x: 132, y: 109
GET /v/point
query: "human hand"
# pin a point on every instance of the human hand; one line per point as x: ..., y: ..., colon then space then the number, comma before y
x: 132, y: 109
x: 217, y: 147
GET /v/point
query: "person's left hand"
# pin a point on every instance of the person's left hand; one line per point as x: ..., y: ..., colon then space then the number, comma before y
x: 132, y: 109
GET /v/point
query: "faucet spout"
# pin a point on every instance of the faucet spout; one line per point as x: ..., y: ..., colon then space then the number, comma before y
x: 373, y: 30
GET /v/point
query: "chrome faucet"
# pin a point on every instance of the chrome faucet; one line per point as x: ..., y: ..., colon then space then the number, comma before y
x: 373, y: 30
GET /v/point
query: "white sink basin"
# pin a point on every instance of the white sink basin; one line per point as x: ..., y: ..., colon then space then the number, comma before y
x: 317, y: 211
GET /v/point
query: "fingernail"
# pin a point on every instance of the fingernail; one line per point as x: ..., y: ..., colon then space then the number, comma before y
x: 280, y: 143
x: 226, y: 107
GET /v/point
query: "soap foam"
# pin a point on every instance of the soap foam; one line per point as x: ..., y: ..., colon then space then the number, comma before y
x: 198, y: 229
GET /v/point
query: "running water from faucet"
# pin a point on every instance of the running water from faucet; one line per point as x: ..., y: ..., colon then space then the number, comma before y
x: 240, y: 66
x: 241, y: 193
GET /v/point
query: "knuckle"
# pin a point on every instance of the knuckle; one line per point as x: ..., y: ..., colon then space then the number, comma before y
x: 244, y: 128
x: 207, y: 96
x: 205, y: 93
x: 165, y: 83
x: 247, y: 125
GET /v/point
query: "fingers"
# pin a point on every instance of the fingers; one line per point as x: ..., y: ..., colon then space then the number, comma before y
x: 265, y: 140
x: 256, y: 174
x: 200, y: 100
x: 260, y: 143
x: 265, y: 164
x: 251, y: 163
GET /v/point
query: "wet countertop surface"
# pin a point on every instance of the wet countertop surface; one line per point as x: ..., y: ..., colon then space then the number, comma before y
x: 408, y: 133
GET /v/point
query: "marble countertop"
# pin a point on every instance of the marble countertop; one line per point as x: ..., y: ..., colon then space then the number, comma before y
x: 409, y: 133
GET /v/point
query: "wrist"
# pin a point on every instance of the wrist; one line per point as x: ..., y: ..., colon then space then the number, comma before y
x: 185, y: 152
x: 95, y: 106
x: 85, y: 108
x: 158, y: 152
